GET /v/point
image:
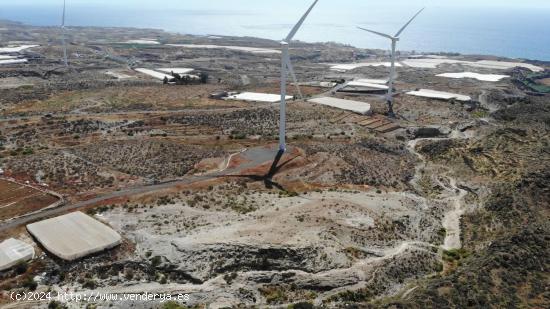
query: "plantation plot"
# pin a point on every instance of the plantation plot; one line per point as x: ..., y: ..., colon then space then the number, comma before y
x: 17, y: 200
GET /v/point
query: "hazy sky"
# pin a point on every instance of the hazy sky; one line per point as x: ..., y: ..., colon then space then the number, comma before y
x: 255, y: 4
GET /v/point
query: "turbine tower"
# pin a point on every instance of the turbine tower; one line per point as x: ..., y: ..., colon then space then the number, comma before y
x: 286, y: 67
x: 63, y: 37
x: 394, y: 39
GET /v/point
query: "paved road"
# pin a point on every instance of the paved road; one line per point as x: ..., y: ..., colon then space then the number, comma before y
x: 253, y: 157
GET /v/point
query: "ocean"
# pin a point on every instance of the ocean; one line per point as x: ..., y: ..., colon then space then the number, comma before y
x: 508, y: 32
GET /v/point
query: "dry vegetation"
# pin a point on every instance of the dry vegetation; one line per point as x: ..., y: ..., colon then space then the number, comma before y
x: 352, y: 216
x: 370, y: 162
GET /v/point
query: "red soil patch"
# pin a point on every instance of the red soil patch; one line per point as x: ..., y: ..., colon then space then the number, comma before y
x: 17, y: 200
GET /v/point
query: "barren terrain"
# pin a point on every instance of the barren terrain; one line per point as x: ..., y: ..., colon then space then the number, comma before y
x: 449, y: 208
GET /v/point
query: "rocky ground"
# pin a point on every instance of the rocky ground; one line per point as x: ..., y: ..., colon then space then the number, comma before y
x: 451, y: 210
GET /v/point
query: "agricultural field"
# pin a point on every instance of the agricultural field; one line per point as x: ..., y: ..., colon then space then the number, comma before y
x: 17, y: 199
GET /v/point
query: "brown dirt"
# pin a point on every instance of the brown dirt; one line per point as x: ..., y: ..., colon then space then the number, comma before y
x: 127, y: 99
x: 545, y: 81
x: 17, y: 200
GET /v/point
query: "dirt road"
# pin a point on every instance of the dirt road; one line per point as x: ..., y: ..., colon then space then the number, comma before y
x: 252, y: 157
x: 451, y: 220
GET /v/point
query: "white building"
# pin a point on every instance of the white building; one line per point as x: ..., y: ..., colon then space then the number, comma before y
x: 13, y: 252
x: 257, y: 97
x: 349, y: 105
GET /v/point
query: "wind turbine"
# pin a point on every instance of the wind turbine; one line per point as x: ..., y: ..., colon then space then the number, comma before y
x: 286, y: 67
x: 63, y: 37
x: 394, y: 39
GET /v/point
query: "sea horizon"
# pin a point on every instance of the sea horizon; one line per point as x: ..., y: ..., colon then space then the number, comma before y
x: 508, y: 33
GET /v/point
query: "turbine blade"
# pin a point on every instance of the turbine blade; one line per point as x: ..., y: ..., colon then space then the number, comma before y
x: 63, y: 17
x: 294, y: 79
x: 407, y: 24
x: 377, y: 33
x: 63, y: 36
x: 299, y: 24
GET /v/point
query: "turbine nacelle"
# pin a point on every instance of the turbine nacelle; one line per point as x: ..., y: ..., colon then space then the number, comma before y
x: 387, y: 36
x: 394, y: 39
x: 398, y: 34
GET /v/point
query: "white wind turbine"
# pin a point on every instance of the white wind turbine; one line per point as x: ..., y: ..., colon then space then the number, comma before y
x: 63, y: 37
x: 394, y: 39
x: 286, y: 67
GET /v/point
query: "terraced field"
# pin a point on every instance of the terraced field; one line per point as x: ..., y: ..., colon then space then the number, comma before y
x: 17, y: 199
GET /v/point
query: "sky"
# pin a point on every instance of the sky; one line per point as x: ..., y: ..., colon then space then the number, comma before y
x: 256, y: 4
x: 498, y: 27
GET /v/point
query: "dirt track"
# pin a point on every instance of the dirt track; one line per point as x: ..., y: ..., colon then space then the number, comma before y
x: 253, y: 157
x: 451, y: 221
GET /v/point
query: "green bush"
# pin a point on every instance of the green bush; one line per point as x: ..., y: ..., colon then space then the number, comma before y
x: 173, y: 305
x: 274, y: 294
x: 90, y: 284
x: 455, y: 254
x: 27, y: 151
x: 30, y: 284
x: 56, y: 305
x: 156, y: 260
x: 301, y: 305
x: 229, y: 277
x: 21, y: 268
